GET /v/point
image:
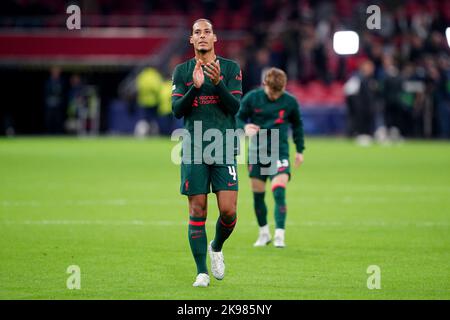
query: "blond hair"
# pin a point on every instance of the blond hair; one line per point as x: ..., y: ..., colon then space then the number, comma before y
x: 275, y: 79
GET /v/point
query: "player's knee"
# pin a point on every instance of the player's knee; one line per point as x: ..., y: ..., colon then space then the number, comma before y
x: 197, y: 210
x: 198, y: 214
x: 279, y: 193
x: 228, y: 212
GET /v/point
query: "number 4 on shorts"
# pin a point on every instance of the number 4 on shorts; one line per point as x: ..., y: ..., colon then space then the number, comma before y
x: 232, y: 172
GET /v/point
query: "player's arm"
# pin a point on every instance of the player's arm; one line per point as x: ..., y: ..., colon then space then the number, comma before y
x: 244, y: 113
x: 296, y: 121
x: 230, y: 93
x: 182, y: 96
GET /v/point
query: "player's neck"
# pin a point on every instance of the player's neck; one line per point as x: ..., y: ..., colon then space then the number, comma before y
x: 273, y: 96
x: 206, y: 57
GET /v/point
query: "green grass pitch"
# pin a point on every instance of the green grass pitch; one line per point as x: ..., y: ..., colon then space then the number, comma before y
x: 112, y: 207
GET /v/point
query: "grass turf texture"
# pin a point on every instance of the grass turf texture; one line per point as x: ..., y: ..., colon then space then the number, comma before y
x: 112, y: 206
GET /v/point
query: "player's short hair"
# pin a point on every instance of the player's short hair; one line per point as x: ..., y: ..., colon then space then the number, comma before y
x: 202, y: 19
x: 275, y: 79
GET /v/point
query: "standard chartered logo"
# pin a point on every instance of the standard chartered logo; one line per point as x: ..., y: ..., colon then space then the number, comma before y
x: 212, y: 146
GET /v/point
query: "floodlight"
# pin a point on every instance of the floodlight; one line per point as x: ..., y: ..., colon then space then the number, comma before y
x: 447, y: 35
x: 345, y: 42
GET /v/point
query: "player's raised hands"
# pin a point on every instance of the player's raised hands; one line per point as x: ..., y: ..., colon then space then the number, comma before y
x: 213, y: 71
x: 197, y: 76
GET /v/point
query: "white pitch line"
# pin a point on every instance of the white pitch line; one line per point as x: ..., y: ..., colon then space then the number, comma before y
x: 380, y: 188
x: 344, y: 199
x: 88, y: 202
x: 422, y: 224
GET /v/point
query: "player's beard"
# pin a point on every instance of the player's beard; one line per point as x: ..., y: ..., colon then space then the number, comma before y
x: 203, y: 51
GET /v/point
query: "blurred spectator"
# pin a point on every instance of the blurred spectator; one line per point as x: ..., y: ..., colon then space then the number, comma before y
x: 351, y: 90
x: 312, y: 57
x: 75, y: 102
x: 84, y: 108
x: 361, y: 91
x: 256, y: 68
x: 148, y: 86
x: 166, y: 119
x: 443, y: 97
x: 167, y: 122
x: 392, y: 88
x: 408, y: 99
x: 54, y: 102
x: 417, y: 49
x: 413, y: 99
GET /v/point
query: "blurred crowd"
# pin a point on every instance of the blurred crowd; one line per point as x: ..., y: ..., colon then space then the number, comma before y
x: 397, y: 85
x: 72, y: 108
x: 72, y: 104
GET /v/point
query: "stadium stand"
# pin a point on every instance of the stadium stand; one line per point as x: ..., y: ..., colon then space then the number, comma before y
x: 123, y: 37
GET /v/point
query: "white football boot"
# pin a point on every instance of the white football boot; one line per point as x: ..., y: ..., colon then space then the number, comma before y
x: 264, y: 237
x: 217, y: 263
x: 202, y: 280
x: 279, y: 238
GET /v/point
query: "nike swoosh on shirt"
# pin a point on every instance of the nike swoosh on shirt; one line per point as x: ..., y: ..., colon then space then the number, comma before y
x: 231, y: 184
